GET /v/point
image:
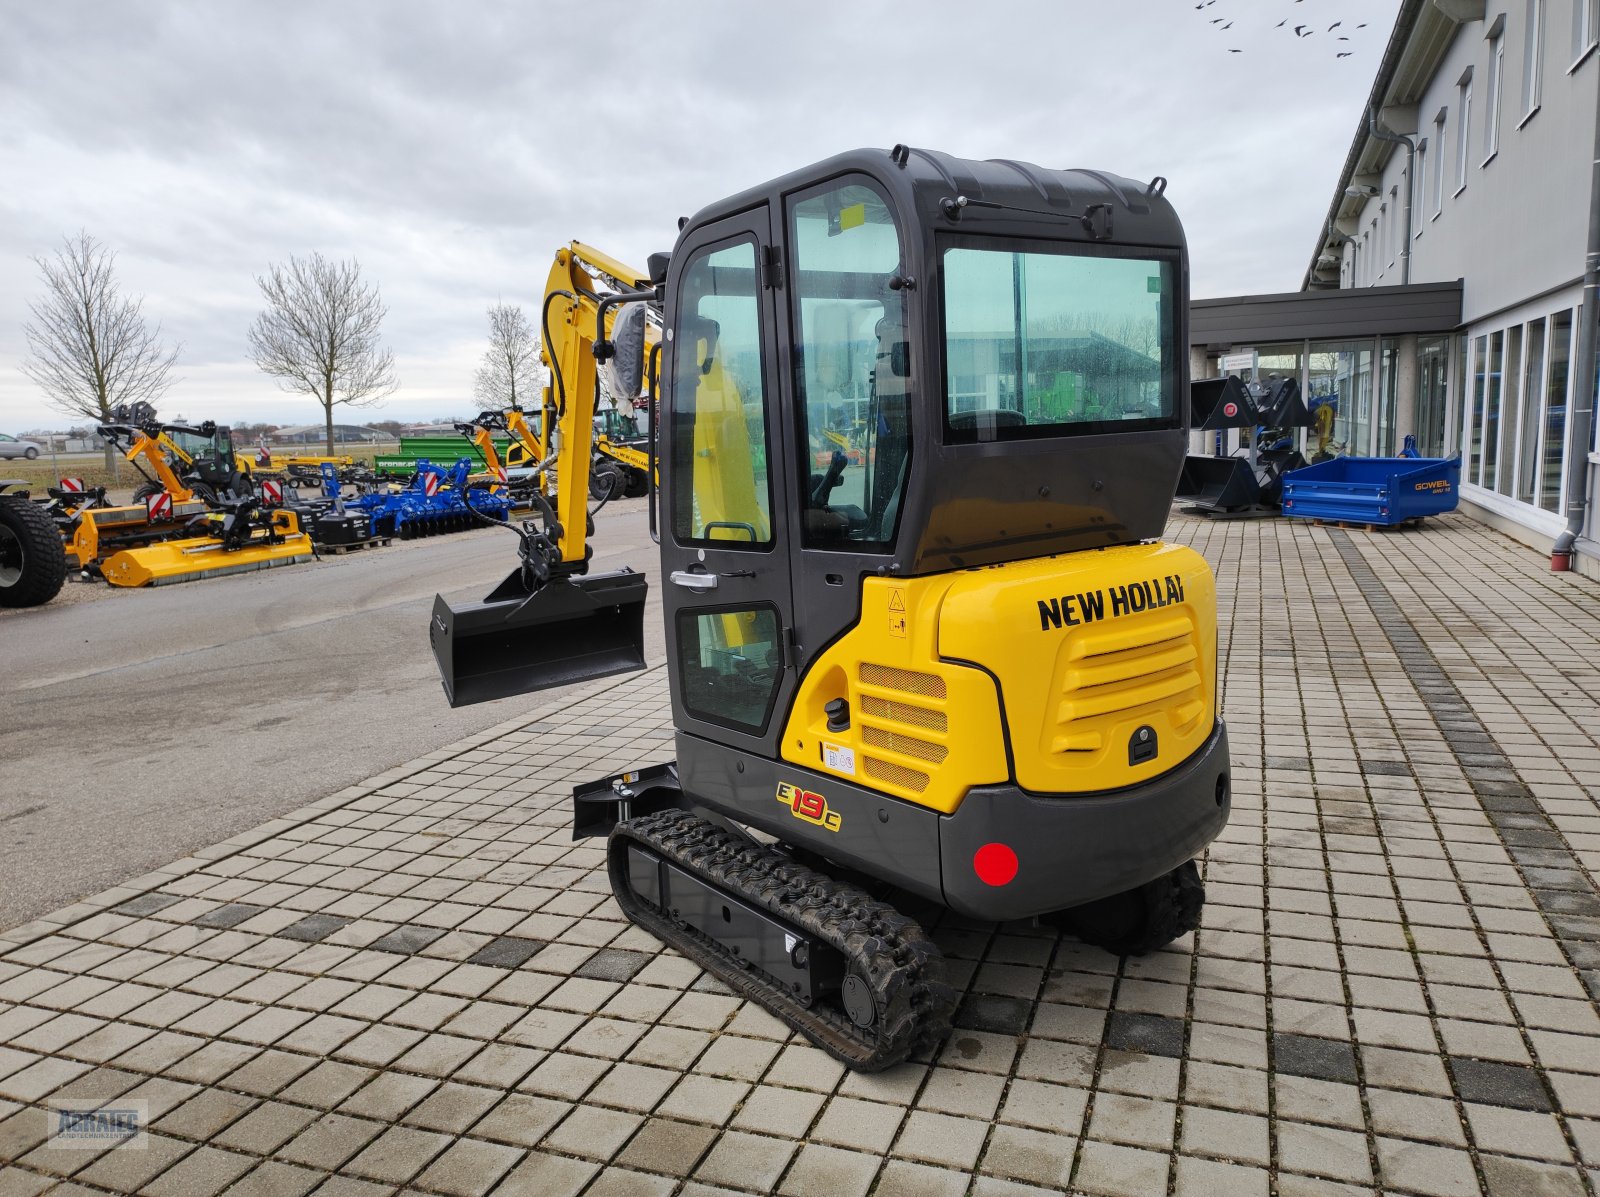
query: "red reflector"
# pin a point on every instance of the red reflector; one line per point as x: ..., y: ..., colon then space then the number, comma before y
x: 995, y: 864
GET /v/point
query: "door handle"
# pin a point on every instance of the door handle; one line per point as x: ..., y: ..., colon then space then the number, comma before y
x: 693, y: 581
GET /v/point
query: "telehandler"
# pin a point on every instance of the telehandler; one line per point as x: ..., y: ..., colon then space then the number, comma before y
x: 955, y: 662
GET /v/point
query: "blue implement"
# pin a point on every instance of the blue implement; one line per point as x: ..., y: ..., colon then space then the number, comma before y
x: 1373, y: 490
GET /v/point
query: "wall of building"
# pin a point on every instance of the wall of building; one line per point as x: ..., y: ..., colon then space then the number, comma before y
x: 1518, y: 227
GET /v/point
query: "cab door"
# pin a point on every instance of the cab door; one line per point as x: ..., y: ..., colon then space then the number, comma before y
x: 724, y: 539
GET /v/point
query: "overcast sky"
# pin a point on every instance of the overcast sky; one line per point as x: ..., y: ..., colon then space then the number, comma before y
x: 451, y: 148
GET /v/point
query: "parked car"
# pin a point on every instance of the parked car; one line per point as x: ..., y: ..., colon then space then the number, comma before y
x: 10, y: 446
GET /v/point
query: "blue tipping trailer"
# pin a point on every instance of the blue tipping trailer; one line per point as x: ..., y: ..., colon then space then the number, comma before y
x: 1373, y: 490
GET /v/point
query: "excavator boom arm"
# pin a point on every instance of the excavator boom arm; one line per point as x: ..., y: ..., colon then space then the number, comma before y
x: 572, y: 317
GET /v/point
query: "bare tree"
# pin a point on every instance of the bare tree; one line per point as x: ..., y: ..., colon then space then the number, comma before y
x: 318, y: 335
x: 89, y: 346
x: 510, y: 373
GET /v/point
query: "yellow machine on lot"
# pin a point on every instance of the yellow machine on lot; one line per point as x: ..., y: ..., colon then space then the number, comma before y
x: 955, y: 660
x: 298, y: 469
x: 523, y: 453
x: 193, y: 518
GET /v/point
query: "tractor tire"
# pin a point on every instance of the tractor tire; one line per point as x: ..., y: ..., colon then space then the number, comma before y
x: 1140, y: 920
x: 606, y: 481
x: 638, y: 485
x: 147, y: 490
x: 204, y: 493
x: 33, y: 560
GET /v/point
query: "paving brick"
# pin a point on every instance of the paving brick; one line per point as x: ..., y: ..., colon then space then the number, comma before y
x: 329, y: 1141
x: 1226, y: 1135
x: 704, y: 1099
x: 1324, y: 1151
x: 1500, y: 1084
x: 542, y: 1175
x: 593, y: 1132
x: 747, y: 1161
x: 469, y: 1167
x: 1517, y: 1133
x: 1208, y: 1178
x: 398, y: 1154
x: 666, y: 1146
x: 861, y: 1125
x: 1426, y: 1168
x: 1032, y: 1156
x: 1120, y: 1171
x: 453, y: 1108
x: 902, y: 1178
x: 274, y: 1178
x: 201, y: 1173
x: 266, y: 1128
x: 624, y: 1182
x: 943, y: 1139
x: 822, y: 1171
x: 204, y: 1115
x: 1516, y: 1177
x: 1045, y: 1106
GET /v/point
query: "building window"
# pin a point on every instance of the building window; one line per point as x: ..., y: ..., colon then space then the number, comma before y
x: 1420, y: 192
x: 1532, y: 57
x: 1438, y: 167
x: 1463, y: 129
x: 1491, y: 109
x: 1490, y: 457
x: 1386, y: 231
x: 1472, y: 466
x: 1532, y: 391
x: 1585, y: 27
x: 1510, y: 410
x: 1555, y: 420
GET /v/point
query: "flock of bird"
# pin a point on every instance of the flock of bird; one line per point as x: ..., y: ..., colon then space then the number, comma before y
x: 1300, y: 31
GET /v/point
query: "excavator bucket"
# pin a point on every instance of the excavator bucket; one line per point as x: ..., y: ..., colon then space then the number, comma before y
x: 516, y: 642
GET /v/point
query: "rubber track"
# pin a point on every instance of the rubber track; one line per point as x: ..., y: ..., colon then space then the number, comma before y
x: 903, y: 968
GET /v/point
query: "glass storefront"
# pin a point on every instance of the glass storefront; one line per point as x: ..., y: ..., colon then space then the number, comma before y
x: 1339, y: 379
x: 1433, y: 394
x: 1384, y: 419
x: 1516, y: 422
x: 1499, y: 397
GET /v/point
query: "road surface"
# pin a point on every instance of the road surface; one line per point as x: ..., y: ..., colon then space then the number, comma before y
x: 139, y: 725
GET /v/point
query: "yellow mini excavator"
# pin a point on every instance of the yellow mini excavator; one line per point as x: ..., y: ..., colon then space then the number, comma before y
x: 955, y: 661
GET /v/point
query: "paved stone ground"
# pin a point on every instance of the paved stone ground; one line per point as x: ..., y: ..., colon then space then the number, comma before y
x: 421, y: 983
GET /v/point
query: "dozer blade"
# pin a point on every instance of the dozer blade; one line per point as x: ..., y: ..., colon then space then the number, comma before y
x: 571, y: 630
x: 200, y: 557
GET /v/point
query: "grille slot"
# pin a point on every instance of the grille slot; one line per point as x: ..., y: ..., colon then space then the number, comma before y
x: 905, y: 745
x: 896, y: 775
x: 904, y: 712
x: 908, y: 681
x: 1139, y: 665
x: 897, y: 734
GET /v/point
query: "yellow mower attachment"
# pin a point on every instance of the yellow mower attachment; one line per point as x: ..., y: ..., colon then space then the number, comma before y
x: 98, y: 532
x: 210, y: 557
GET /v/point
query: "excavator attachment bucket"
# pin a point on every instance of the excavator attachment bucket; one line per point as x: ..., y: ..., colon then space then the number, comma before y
x: 514, y: 642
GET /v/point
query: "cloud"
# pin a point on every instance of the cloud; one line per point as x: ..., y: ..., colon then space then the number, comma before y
x: 451, y: 149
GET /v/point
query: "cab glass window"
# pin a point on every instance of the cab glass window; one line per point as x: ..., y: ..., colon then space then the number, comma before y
x: 1057, y: 342
x: 852, y: 368
x: 721, y: 490
x: 731, y: 663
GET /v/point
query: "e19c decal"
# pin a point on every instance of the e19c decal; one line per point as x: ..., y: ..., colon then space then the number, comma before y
x: 808, y: 805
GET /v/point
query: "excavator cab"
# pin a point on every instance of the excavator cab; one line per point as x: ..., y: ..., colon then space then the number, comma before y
x: 921, y: 423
